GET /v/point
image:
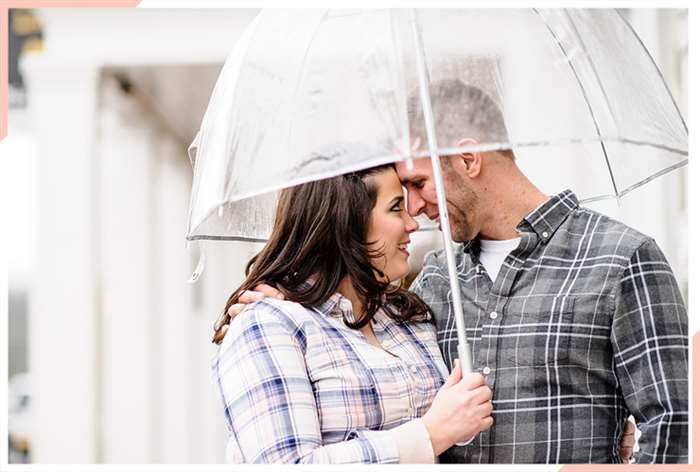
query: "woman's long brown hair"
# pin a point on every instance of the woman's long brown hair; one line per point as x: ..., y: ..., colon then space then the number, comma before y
x: 320, y: 230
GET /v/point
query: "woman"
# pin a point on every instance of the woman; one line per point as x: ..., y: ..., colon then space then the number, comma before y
x: 345, y: 368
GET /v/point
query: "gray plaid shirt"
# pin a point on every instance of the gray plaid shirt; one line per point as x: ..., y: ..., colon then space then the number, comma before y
x: 583, y: 326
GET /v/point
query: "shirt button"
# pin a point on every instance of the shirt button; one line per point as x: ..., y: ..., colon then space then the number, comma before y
x: 487, y: 370
x: 414, y: 369
x: 493, y: 315
x: 545, y: 234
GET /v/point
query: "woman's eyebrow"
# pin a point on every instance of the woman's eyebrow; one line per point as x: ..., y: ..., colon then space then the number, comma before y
x: 396, y: 199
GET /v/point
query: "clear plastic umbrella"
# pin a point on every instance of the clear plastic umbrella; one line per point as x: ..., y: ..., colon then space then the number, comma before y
x: 309, y: 94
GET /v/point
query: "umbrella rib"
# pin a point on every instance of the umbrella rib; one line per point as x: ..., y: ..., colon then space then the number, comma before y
x: 447, y: 151
x: 653, y: 176
x: 202, y: 237
x: 647, y: 143
x: 585, y: 97
x: 656, y: 67
x: 637, y: 184
x: 246, y: 239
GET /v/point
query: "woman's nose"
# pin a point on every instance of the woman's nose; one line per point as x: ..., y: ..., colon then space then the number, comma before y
x: 411, y: 224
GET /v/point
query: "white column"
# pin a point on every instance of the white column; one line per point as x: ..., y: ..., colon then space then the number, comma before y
x: 129, y: 328
x: 63, y: 309
x: 173, y: 307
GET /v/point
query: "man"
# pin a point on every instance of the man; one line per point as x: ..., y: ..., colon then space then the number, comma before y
x: 574, y: 319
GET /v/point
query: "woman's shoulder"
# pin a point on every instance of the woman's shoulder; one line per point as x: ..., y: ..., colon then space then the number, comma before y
x: 270, y: 316
x: 271, y: 310
x: 265, y: 320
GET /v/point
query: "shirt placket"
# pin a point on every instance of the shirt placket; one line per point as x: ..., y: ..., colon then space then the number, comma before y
x: 498, y: 294
x: 397, y: 348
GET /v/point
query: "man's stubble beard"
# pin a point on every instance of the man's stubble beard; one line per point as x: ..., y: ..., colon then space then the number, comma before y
x: 461, y: 227
x: 461, y: 209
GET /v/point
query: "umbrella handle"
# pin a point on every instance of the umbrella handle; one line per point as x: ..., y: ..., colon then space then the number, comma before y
x: 465, y: 357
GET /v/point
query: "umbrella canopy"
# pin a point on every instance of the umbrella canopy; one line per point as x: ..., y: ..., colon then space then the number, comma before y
x: 309, y: 94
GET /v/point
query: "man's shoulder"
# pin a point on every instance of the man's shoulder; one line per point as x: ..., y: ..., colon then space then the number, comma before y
x: 603, y: 230
x: 435, y: 274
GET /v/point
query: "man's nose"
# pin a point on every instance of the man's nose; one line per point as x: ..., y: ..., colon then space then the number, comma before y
x: 415, y: 204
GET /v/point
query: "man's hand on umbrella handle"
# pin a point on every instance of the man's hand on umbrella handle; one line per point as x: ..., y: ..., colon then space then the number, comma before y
x: 249, y: 296
x: 626, y: 446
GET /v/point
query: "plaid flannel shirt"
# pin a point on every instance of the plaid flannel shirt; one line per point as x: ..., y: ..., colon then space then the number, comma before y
x: 298, y: 385
x: 583, y: 326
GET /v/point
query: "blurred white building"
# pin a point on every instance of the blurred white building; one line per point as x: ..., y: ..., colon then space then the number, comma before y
x: 119, y: 348
x: 118, y: 342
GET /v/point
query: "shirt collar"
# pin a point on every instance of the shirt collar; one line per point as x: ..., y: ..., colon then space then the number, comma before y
x: 336, y: 306
x: 548, y: 217
x: 543, y: 221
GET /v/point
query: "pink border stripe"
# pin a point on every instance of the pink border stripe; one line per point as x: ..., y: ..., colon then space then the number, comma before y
x: 7, y: 4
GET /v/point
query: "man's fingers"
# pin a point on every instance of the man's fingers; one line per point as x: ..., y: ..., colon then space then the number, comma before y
x: 626, y: 446
x: 625, y: 454
x: 269, y: 291
x: 235, y: 309
x: 627, y: 440
x: 250, y: 296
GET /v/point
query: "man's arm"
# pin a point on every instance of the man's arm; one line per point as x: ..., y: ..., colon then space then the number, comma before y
x: 650, y: 346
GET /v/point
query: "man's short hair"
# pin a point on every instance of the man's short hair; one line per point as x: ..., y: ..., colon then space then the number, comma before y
x: 460, y: 111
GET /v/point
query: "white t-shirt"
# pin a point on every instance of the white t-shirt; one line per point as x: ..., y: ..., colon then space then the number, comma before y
x: 493, y: 253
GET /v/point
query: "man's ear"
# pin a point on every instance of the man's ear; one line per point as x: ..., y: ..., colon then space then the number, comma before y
x: 469, y: 162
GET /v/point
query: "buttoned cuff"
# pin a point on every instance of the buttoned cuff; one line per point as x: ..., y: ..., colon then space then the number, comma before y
x: 413, y: 442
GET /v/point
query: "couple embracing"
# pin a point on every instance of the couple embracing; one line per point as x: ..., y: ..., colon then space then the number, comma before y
x: 575, y: 322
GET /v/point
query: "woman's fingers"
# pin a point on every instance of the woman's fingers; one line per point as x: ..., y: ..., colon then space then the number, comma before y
x: 473, y: 380
x: 484, y: 410
x: 486, y: 423
x: 455, y: 375
x: 482, y: 394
